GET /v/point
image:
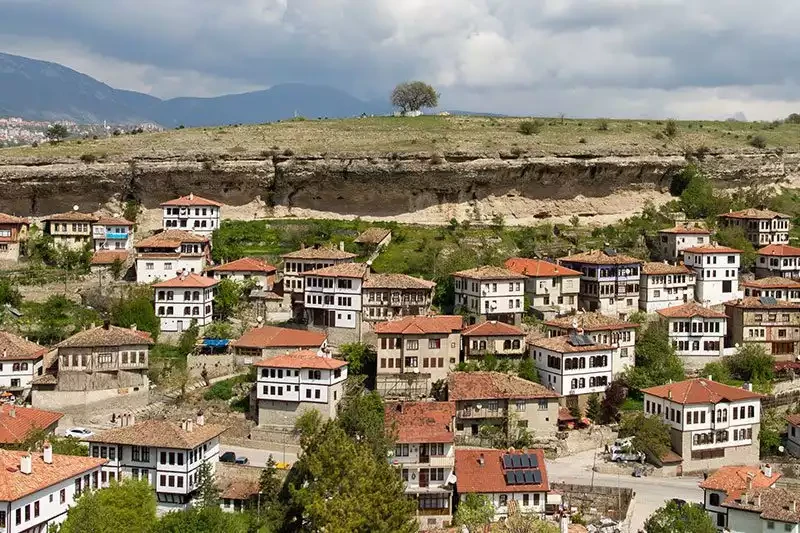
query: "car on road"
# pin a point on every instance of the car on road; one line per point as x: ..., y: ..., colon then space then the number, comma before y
x: 79, y: 433
x: 227, y: 457
x: 242, y: 460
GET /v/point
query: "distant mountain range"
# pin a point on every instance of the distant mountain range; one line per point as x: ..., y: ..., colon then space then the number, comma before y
x: 40, y: 90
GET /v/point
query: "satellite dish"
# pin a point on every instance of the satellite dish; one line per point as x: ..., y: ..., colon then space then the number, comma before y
x: 781, y: 448
x: 75, y: 207
x: 260, y: 319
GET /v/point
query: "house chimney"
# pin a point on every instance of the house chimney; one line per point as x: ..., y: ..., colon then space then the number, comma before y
x: 481, y: 460
x: 106, y: 324
x: 710, y: 377
x: 745, y: 498
x: 189, y: 426
x: 747, y: 386
x: 793, y: 506
x: 749, y: 483
x: 91, y: 326
x: 191, y: 196
x: 758, y: 499
x: 201, y: 419
x: 12, y: 412
x: 767, y: 470
x: 47, y: 453
x: 341, y: 246
x: 134, y: 327
x: 26, y: 463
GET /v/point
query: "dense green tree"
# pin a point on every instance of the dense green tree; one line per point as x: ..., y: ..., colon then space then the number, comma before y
x: 61, y: 445
x: 737, y: 238
x: 679, y: 518
x: 56, y: 132
x: 207, y: 489
x: 718, y: 371
x: 218, y: 330
x: 752, y: 363
x: 202, y: 520
x: 137, y: 309
x: 527, y: 370
x: 227, y: 298
x: 55, y: 319
x: 656, y: 360
x: 361, y: 415
x: 612, y: 401
x: 526, y: 523
x: 651, y: 434
x: 439, y: 390
x: 116, y: 268
x: 269, y: 506
x: 698, y: 199
x: 9, y: 294
x: 769, y: 435
x: 188, y: 339
x: 127, y: 507
x: 413, y: 96
x: 361, y: 359
x: 593, y: 408
x: 474, y: 511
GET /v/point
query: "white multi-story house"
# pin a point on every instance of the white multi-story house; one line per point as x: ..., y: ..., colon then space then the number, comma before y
x: 504, y: 476
x: 696, y: 332
x: 761, y: 226
x: 711, y: 424
x: 20, y: 362
x: 778, y: 288
x: 550, y: 288
x: 602, y: 329
x: 192, y: 213
x: 166, y: 454
x: 306, y: 260
x: 764, y: 509
x: 246, y: 269
x: 170, y: 252
x: 112, y: 233
x: 673, y: 241
x: 609, y: 281
x: 732, y: 482
x: 573, y: 365
x: 425, y: 454
x: 287, y: 386
x: 40, y: 487
x: 490, y: 293
x: 780, y: 260
x: 71, y: 230
x: 663, y: 285
x: 184, y: 299
x: 717, y: 271
x: 333, y: 295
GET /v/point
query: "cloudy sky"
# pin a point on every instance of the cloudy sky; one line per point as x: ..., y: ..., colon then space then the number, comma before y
x: 626, y: 58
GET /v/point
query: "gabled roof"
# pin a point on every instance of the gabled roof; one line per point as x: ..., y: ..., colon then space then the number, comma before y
x: 655, y: 268
x: 712, y: 249
x: 16, y: 423
x: 397, y: 281
x: 563, y: 344
x: 600, y: 257
x: 373, y: 235
x: 171, y: 238
x: 341, y: 270
x: 762, y: 214
x: 591, y: 321
x: 488, y: 272
x: 534, y: 268
x: 686, y: 230
x: 72, y: 216
x: 489, y: 476
x: 757, y: 302
x: 770, y: 503
x: 15, y: 348
x: 106, y: 336
x: 11, y: 219
x: 700, y: 391
x: 492, y: 328
x: 779, y: 250
x: 302, y: 359
x: 494, y: 385
x: 420, y: 422
x: 793, y: 419
x: 689, y: 310
x: 160, y: 434
x: 732, y: 480
x: 107, y: 257
x: 15, y: 485
x: 191, y: 280
x: 245, y: 264
x: 421, y: 325
x: 114, y: 221
x: 191, y: 199
x: 275, y: 337
x: 319, y: 253
x: 774, y: 282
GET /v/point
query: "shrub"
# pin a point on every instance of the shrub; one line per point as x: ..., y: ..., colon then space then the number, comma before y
x: 582, y: 140
x: 529, y: 127
x: 602, y: 124
x: 88, y: 158
x: 238, y: 149
x: 222, y: 390
x: 758, y: 141
x: 671, y: 128
x: 288, y: 152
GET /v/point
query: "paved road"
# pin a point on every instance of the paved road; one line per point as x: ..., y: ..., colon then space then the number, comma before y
x: 258, y: 457
x: 651, y: 492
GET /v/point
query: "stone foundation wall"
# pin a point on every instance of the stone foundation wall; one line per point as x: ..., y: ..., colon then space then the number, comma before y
x: 87, y: 402
x: 596, y: 501
x: 215, y: 365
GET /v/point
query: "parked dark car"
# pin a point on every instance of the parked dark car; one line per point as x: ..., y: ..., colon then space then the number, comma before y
x: 242, y: 460
x: 227, y: 457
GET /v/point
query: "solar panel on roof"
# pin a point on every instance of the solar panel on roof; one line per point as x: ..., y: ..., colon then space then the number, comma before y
x: 577, y: 340
x: 520, y: 477
x: 526, y: 463
x: 587, y: 340
x: 537, y: 476
x: 528, y: 476
x: 511, y: 479
x: 533, y: 460
x: 507, y: 462
x: 517, y: 462
x: 768, y: 300
x: 610, y: 252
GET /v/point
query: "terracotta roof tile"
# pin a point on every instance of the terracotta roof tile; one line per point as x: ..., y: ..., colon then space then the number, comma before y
x: 686, y: 230
x: 16, y: 423
x: 600, y: 257
x: 373, y: 236
x: 534, y: 268
x: 15, y: 348
x: 15, y: 485
x: 490, y: 477
x: 712, y: 249
x: 159, y: 434
x: 302, y: 359
x: 107, y: 257
x: 592, y: 321
x: 793, y: 419
x: 342, y: 270
x: 245, y: 264
x: 420, y: 422
x: 689, y: 310
x: 319, y: 253
x: 771, y: 503
x: 700, y: 391
x: 421, y: 325
x: 732, y: 480
x: 397, y: 281
x: 239, y: 490
x: 779, y: 250
x: 774, y: 282
x: 275, y: 337
x: 11, y: 219
x: 489, y: 272
x: 754, y: 302
x: 491, y: 328
x: 494, y: 385
x: 171, y: 238
x: 190, y: 280
x: 761, y: 214
x: 664, y: 268
x: 102, y: 336
x: 562, y: 344
x: 191, y: 199
x: 73, y: 216
x: 114, y: 221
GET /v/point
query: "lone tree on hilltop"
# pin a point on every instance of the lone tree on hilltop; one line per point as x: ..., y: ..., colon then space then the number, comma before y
x: 414, y: 95
x: 57, y: 132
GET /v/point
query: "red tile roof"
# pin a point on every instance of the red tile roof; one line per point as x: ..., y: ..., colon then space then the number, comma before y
x: 421, y: 325
x: 490, y: 477
x: 774, y: 282
x: 562, y: 344
x: 732, y: 480
x: 686, y: 230
x: 397, y: 281
x: 536, y: 268
x: 16, y: 423
x: 491, y: 328
x: 373, y: 236
x: 332, y: 254
x: 160, y: 434
x: 793, y: 419
x: 15, y: 348
x: 245, y: 264
x: 592, y: 321
x: 171, y: 238
x: 275, y: 337
x: 600, y: 257
x: 494, y: 385
x: 106, y: 336
x: 689, y: 310
x: 489, y: 272
x: 114, y: 221
x: 11, y: 219
x: 762, y: 214
x: 420, y: 422
x: 191, y: 280
x: 73, y: 216
x: 664, y: 268
x: 780, y: 250
x: 754, y: 302
x: 342, y: 270
x: 107, y: 257
x: 700, y: 391
x: 712, y: 249
x: 15, y: 485
x: 191, y: 200
x: 772, y: 504
x: 302, y: 359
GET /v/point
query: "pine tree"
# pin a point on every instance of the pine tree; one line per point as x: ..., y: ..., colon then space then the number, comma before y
x: 593, y: 407
x: 207, y: 490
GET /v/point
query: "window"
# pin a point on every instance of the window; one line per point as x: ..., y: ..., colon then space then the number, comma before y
x: 19, y: 516
x: 36, y: 508
x: 434, y: 344
x: 503, y: 500
x: 62, y: 496
x: 412, y: 345
x: 713, y: 499
x: 521, y: 405
x: 543, y: 405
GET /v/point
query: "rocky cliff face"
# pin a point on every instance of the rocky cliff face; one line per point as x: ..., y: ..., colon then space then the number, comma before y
x: 411, y: 188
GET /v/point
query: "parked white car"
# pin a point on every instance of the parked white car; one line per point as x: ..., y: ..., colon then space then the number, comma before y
x: 79, y: 433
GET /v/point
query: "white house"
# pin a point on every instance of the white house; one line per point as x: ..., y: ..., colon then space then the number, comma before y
x: 38, y: 488
x: 167, y: 454
x: 490, y: 293
x: 673, y: 241
x: 333, y: 295
x: 289, y: 385
x: 717, y: 270
x: 112, y: 233
x: 308, y: 259
x: 696, y: 332
x: 711, y: 424
x: 779, y: 260
x: 761, y: 226
x: 504, y: 476
x: 663, y: 285
x: 184, y: 299
x: 731, y: 482
x: 779, y: 288
x: 549, y: 287
x: 166, y: 254
x: 764, y: 509
x: 246, y: 269
x: 20, y: 362
x: 573, y: 365
x: 192, y: 213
